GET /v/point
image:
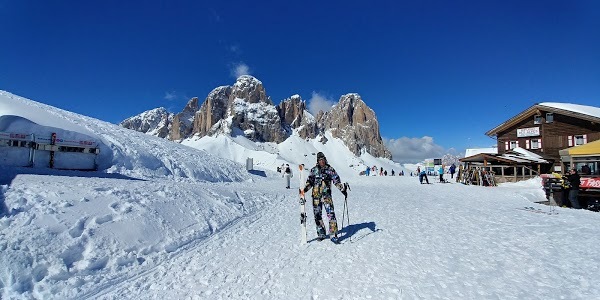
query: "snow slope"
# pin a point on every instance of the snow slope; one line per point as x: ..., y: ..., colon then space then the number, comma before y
x: 293, y: 151
x: 166, y: 221
x: 125, y: 151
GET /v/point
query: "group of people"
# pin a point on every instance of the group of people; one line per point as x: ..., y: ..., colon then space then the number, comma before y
x: 423, y: 174
x: 320, y: 178
x: 382, y: 172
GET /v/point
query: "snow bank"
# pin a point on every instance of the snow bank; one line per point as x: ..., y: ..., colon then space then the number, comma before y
x: 122, y: 151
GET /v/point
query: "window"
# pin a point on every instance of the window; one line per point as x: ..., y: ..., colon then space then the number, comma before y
x: 535, y: 144
x: 537, y: 119
x: 549, y: 117
x: 513, y: 144
x: 576, y: 140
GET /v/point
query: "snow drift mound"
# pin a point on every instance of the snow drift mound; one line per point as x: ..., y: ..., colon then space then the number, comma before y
x: 121, y: 150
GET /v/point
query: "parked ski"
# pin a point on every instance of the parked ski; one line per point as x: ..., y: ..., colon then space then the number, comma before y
x: 302, y: 218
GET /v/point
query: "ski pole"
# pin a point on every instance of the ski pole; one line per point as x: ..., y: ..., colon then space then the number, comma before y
x: 346, y: 187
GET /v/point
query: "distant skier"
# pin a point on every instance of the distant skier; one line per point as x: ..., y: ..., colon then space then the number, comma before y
x: 320, y: 178
x: 441, y: 171
x: 393, y: 172
x: 452, y: 170
x: 423, y: 175
x: 287, y: 174
x: 368, y: 171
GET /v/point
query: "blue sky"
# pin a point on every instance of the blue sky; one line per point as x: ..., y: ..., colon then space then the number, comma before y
x: 438, y: 74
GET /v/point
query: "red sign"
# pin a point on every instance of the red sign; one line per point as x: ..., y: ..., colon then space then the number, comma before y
x: 590, y: 183
x: 18, y: 136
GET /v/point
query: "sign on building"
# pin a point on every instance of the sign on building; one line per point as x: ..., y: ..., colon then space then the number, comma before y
x: 531, y: 131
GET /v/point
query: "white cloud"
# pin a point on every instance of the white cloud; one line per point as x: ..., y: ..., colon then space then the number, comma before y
x: 319, y: 102
x: 240, y: 69
x: 170, y: 96
x: 235, y: 49
x: 413, y: 150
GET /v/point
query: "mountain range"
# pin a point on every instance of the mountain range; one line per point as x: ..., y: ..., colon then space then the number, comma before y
x: 245, y: 109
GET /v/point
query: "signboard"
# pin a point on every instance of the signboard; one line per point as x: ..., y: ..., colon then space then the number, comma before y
x: 531, y: 131
x: 428, y: 165
x: 589, y: 183
x: 15, y: 136
x: 67, y: 142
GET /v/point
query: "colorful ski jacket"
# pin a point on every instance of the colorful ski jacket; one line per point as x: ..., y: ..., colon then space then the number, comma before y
x: 320, y: 180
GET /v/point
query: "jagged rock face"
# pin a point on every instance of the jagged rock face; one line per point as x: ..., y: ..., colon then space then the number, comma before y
x: 183, y: 122
x: 253, y: 113
x: 155, y: 122
x: 291, y: 111
x: 212, y: 110
x: 294, y: 115
x: 251, y: 89
x: 245, y: 109
x: 352, y: 121
x: 259, y: 122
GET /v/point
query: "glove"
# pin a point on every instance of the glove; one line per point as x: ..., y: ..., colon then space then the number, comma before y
x: 345, y: 193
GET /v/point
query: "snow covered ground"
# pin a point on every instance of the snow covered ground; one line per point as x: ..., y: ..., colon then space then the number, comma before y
x: 162, y: 220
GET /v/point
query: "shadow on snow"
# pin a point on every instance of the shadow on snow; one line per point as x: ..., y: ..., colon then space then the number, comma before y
x: 258, y: 173
x: 349, y: 231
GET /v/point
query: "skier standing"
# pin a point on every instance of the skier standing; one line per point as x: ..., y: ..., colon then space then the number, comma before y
x: 287, y: 173
x: 452, y: 170
x: 320, y: 178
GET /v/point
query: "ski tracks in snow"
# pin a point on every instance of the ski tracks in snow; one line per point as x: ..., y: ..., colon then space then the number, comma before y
x: 205, y: 269
x: 413, y: 244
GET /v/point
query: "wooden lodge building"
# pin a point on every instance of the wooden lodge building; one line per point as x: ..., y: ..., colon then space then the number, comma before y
x: 539, y: 132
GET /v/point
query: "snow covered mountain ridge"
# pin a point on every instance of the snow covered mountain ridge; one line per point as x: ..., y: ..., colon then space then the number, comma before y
x: 246, y: 109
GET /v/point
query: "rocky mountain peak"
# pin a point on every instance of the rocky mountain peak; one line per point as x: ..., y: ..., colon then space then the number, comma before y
x: 250, y: 89
x: 356, y: 124
x: 291, y: 110
x: 245, y: 109
x: 183, y: 121
x: 213, y: 109
x: 155, y: 122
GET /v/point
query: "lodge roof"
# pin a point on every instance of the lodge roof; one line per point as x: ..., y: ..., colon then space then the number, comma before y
x: 515, y: 156
x: 584, y: 112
